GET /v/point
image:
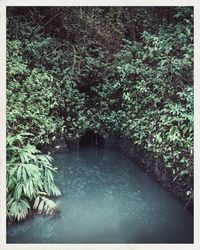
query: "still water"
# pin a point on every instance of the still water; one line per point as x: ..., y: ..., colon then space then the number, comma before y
x: 106, y: 198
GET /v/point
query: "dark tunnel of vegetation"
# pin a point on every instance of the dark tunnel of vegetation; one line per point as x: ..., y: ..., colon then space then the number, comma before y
x: 91, y: 139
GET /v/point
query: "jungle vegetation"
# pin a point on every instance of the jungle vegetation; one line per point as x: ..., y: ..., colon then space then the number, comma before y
x: 126, y: 71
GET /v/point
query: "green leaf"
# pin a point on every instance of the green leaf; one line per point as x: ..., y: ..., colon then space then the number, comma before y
x: 41, y: 206
x: 19, y: 171
x: 36, y: 203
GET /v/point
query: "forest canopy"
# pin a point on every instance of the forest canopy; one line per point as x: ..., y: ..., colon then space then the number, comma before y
x: 126, y: 71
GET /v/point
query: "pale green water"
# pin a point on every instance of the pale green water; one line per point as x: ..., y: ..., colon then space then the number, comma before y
x: 107, y: 199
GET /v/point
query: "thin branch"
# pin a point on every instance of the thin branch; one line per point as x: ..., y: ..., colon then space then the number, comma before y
x: 36, y: 29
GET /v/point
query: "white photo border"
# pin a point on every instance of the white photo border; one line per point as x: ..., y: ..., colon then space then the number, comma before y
x: 3, y: 5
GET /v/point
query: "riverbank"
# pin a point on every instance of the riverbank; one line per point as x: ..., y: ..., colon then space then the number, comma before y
x: 155, y: 167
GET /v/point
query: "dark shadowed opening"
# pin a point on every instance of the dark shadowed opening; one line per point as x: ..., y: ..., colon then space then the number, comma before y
x: 91, y: 139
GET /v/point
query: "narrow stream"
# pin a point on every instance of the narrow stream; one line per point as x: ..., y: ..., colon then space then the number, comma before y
x: 106, y: 198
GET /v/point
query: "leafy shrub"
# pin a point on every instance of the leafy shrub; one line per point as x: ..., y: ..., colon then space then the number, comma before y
x: 42, y: 96
x: 29, y: 179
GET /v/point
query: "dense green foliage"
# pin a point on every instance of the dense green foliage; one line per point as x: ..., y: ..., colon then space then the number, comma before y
x: 125, y: 71
x: 29, y: 178
x: 155, y: 81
